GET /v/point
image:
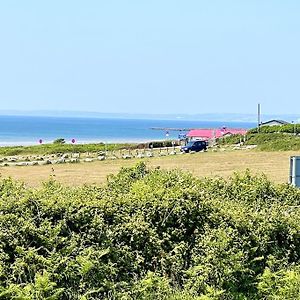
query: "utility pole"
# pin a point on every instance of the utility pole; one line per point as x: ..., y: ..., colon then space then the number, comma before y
x: 258, y: 117
x: 294, y: 125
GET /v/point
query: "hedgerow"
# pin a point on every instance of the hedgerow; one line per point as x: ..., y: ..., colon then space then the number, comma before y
x: 266, y: 141
x: 62, y: 148
x: 151, y: 234
x: 288, y: 128
x: 59, y: 146
x: 274, y: 141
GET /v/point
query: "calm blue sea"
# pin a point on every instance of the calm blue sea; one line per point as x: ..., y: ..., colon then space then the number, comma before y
x: 21, y: 130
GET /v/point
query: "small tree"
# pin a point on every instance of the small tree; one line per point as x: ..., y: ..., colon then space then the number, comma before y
x: 59, y: 141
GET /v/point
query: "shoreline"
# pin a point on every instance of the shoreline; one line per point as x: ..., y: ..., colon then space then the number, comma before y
x: 80, y: 142
x: 27, y: 131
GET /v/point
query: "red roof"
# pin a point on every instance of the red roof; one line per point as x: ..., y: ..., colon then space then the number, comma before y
x: 214, y: 133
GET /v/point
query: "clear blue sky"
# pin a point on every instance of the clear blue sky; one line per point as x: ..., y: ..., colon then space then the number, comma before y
x: 158, y: 56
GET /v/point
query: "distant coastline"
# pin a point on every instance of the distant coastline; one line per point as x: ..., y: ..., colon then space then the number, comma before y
x: 211, y: 117
x: 29, y: 130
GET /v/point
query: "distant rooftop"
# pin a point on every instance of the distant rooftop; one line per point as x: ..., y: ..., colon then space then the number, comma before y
x: 274, y: 122
x: 214, y: 133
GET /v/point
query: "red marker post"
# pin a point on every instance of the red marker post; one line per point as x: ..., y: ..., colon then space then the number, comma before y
x: 73, y: 142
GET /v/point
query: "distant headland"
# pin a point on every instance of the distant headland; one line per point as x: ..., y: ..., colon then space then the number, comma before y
x: 221, y: 117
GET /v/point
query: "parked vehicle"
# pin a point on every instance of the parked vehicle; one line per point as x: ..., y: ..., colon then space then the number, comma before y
x: 194, y: 146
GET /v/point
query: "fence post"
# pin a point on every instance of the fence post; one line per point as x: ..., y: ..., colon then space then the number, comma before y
x: 295, y: 171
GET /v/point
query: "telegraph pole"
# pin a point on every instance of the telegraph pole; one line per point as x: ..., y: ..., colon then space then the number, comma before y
x: 258, y: 117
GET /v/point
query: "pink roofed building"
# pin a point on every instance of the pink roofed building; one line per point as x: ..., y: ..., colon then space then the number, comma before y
x: 209, y: 134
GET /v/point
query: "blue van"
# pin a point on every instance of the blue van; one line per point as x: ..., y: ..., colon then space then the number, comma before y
x: 194, y: 146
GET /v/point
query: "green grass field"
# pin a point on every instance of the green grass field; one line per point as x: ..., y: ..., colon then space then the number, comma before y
x: 209, y: 164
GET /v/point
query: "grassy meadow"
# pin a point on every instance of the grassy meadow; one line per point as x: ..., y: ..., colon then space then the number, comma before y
x: 208, y: 164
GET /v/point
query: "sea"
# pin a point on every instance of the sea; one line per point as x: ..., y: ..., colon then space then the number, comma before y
x: 31, y: 130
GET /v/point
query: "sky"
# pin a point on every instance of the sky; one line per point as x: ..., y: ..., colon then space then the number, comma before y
x: 133, y: 56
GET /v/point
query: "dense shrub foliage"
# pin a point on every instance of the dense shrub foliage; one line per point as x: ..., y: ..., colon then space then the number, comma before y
x: 160, y: 144
x: 274, y: 141
x: 151, y: 234
x: 60, y: 146
x: 288, y: 128
x: 269, y: 138
x: 266, y: 141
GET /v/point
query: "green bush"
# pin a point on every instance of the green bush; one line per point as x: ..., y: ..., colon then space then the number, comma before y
x: 150, y: 234
x: 159, y: 144
x: 59, y: 146
x: 280, y: 284
x: 62, y: 148
x: 274, y: 141
x: 232, y: 139
x: 269, y: 138
x: 266, y: 141
x: 289, y: 128
x: 59, y: 141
